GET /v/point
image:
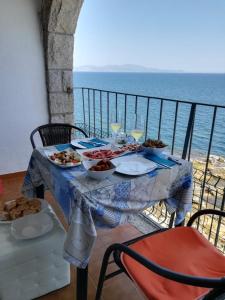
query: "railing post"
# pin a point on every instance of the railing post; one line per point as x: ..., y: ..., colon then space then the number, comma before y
x: 89, y: 112
x: 219, y: 220
x: 83, y: 105
x: 189, y: 130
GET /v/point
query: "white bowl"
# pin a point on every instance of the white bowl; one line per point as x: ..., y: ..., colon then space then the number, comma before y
x: 154, y: 151
x: 99, y: 175
x: 31, y: 226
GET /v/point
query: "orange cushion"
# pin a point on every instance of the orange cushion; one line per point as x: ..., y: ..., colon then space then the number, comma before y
x: 181, y: 249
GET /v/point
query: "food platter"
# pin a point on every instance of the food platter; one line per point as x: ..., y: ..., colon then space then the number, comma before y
x: 102, y: 154
x: 65, y: 159
x: 133, y: 165
x: 106, y: 152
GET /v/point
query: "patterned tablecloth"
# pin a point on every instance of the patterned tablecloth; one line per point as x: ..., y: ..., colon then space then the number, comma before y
x: 89, y: 204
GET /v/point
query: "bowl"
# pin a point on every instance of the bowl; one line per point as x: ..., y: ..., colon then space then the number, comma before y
x: 154, y: 151
x: 155, y: 147
x: 98, y: 175
x: 31, y: 226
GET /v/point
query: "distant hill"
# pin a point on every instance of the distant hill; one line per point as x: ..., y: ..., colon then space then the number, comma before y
x: 123, y: 68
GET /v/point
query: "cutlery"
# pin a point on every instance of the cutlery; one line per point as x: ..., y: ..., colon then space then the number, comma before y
x: 163, y: 165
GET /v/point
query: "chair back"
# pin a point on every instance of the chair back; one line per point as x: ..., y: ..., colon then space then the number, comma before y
x: 56, y: 133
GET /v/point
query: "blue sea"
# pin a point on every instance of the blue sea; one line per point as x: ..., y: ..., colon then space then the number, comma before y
x: 200, y: 88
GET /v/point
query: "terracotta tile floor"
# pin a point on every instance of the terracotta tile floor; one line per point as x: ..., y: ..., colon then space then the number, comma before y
x: 119, y: 287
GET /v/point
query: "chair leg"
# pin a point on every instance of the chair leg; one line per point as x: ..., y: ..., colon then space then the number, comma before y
x: 103, y: 272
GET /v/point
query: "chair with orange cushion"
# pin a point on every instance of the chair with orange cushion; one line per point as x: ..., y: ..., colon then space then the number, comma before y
x: 171, y: 264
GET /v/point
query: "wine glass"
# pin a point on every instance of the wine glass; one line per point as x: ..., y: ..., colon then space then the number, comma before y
x: 138, y: 130
x: 115, y: 123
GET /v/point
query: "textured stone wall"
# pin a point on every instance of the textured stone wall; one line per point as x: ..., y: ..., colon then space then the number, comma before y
x: 59, y: 20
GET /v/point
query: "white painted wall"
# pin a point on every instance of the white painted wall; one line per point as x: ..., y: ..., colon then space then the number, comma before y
x: 23, y: 104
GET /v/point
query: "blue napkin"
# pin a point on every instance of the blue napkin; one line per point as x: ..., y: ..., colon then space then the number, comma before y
x: 62, y: 147
x: 95, y: 140
x: 160, y: 160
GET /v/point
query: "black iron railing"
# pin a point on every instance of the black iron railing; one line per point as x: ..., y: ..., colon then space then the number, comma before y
x: 192, y: 130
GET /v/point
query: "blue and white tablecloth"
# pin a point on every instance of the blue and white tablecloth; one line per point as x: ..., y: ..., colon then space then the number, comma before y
x: 89, y: 204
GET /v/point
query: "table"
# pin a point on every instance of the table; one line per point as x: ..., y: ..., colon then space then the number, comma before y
x: 89, y: 204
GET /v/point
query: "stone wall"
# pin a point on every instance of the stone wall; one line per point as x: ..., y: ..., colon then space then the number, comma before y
x: 59, y: 20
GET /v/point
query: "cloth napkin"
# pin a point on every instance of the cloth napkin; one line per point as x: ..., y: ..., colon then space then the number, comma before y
x: 95, y: 140
x: 62, y: 147
x: 160, y: 160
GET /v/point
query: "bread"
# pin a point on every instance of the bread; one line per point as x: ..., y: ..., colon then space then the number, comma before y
x: 4, y: 216
x: 35, y: 204
x: 21, y: 200
x: 15, y: 213
x: 20, y: 207
x: 10, y: 205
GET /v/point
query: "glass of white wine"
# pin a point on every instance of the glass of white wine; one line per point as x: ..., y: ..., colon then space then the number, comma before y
x: 116, y: 124
x: 138, y: 130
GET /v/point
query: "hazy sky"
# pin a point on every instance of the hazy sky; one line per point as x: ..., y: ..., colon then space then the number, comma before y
x: 187, y: 35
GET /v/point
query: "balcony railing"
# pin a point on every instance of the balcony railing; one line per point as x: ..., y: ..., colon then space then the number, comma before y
x: 192, y: 131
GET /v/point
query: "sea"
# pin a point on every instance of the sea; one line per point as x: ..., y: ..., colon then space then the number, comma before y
x: 199, y: 88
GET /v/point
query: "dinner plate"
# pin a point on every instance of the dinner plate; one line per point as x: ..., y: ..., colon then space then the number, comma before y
x: 44, y: 206
x: 133, y: 165
x: 31, y: 226
x: 48, y: 153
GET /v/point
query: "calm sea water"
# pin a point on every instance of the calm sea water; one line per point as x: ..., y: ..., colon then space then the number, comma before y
x: 202, y: 88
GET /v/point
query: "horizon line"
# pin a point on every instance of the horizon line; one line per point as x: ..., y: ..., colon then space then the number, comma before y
x: 152, y: 72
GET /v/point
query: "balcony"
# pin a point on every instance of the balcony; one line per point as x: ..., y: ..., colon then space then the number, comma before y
x: 176, y: 122
x: 192, y: 130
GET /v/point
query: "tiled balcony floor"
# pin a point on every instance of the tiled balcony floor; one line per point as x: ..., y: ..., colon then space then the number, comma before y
x: 119, y: 287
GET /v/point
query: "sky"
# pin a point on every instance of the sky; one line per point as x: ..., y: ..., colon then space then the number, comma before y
x: 187, y: 35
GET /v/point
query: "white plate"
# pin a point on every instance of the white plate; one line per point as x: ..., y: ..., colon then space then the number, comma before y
x: 44, y: 205
x: 133, y: 165
x: 31, y: 226
x: 67, y: 165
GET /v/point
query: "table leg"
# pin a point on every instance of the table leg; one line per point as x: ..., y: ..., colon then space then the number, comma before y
x: 40, y: 191
x: 82, y: 283
x: 172, y: 217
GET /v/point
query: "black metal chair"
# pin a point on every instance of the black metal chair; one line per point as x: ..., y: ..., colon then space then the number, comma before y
x: 55, y: 133
x: 146, y: 263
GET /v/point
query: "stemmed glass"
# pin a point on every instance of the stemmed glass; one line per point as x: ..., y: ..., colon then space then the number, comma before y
x: 138, y: 130
x: 115, y: 123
